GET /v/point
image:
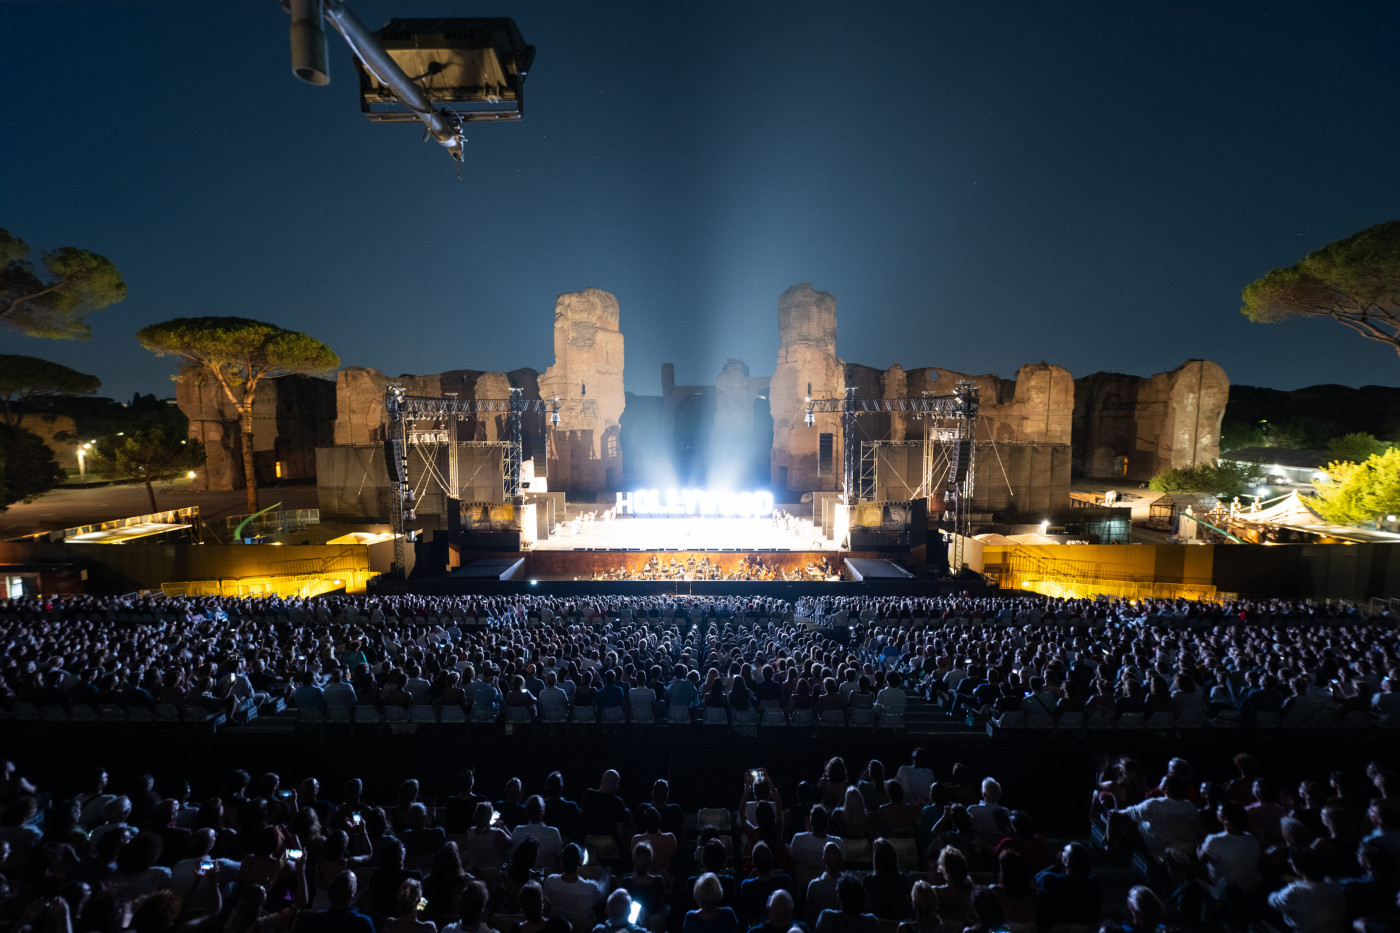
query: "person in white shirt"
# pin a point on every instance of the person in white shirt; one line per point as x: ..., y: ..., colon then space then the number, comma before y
x: 573, y: 897
x: 916, y: 777
x: 892, y: 700
x: 1232, y: 857
x: 1170, y: 822
x: 984, y: 814
x: 1310, y: 904
x: 551, y: 844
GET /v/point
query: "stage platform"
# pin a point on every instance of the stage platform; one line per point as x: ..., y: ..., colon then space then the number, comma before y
x: 584, y: 533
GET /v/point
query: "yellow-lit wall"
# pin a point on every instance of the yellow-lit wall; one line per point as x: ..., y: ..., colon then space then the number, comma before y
x: 1092, y: 569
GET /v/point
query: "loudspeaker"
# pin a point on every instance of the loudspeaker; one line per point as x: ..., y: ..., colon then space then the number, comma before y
x: 454, y: 518
x: 395, y: 461
x: 958, y: 460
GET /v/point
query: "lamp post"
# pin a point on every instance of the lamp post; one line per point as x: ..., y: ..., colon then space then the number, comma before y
x: 82, y: 461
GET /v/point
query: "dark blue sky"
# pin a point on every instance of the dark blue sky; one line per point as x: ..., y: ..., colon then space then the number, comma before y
x: 981, y: 185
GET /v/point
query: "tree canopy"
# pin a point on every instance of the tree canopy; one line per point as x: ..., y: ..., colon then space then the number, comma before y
x: 26, y: 377
x: 54, y: 300
x: 1355, y: 282
x: 27, y: 467
x: 1222, y: 480
x: 149, y: 456
x: 1358, y: 493
x: 1356, y: 446
x: 240, y: 353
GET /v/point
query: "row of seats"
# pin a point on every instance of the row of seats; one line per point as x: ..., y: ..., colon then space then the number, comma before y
x: 744, y: 721
x: 1230, y: 719
x: 108, y: 713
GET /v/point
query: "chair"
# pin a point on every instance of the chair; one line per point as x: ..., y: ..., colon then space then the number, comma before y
x: 454, y: 714
x: 106, y: 712
x: 746, y: 722
x: 1325, y: 719
x: 643, y: 715
x: 716, y: 716
x: 1357, y: 719
x: 483, y: 713
x: 167, y: 714
x: 891, y: 721
x: 393, y: 714
x: 679, y: 716
x: 1100, y: 719
x: 833, y: 719
x: 1072, y: 721
x: 1131, y: 721
x: 365, y: 714
x: 907, y: 852
x: 1161, y: 720
x: 773, y: 716
x: 422, y: 713
x: 613, y: 715
x: 585, y: 715
x: 1011, y: 719
x: 862, y: 718
x: 802, y: 717
x: 52, y: 712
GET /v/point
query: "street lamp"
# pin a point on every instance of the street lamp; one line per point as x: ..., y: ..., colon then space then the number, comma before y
x: 82, y: 461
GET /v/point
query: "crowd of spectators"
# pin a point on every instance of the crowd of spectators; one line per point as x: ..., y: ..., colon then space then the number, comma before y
x: 856, y: 847
x: 551, y: 655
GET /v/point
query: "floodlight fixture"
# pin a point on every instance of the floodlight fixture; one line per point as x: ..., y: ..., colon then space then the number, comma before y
x: 441, y: 72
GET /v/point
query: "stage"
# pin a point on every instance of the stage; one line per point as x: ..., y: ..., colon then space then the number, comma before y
x: 592, y: 530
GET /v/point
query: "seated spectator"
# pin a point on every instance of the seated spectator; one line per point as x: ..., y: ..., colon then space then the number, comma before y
x: 953, y: 890
x: 1015, y: 892
x: 662, y: 844
x: 616, y: 915
x: 821, y: 890
x: 1069, y: 894
x: 471, y: 910
x: 1232, y: 857
x: 709, y: 916
x: 806, y: 847
x: 339, y: 916
x: 549, y: 841
x: 984, y: 814
x: 1145, y: 910
x: 575, y: 898
x: 765, y: 879
x: 778, y: 914
x: 886, y: 887
x: 1169, y: 823
x: 897, y: 818
x: 850, y: 820
x: 487, y: 843
x: 408, y: 904
x: 1311, y: 903
x: 444, y: 885
x: 645, y: 888
x: 852, y: 916
x: 924, y: 910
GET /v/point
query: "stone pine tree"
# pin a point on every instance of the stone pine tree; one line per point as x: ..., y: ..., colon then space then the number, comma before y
x: 26, y: 377
x: 1355, y: 282
x: 239, y: 354
x: 53, y: 299
x: 148, y: 456
x: 27, y: 467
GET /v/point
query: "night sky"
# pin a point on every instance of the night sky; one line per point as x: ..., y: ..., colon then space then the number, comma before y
x: 980, y: 184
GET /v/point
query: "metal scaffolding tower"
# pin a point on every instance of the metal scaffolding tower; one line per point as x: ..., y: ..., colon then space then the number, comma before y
x: 401, y: 407
x: 960, y: 408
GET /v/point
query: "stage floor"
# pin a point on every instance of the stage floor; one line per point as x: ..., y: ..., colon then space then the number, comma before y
x: 686, y: 534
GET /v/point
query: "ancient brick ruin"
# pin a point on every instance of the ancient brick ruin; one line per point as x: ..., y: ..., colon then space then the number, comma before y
x: 1032, y: 430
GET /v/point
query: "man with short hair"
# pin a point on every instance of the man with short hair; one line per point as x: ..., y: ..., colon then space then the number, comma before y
x: 1169, y: 823
x: 534, y: 827
x: 605, y: 817
x: 340, y: 917
x: 821, y: 891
